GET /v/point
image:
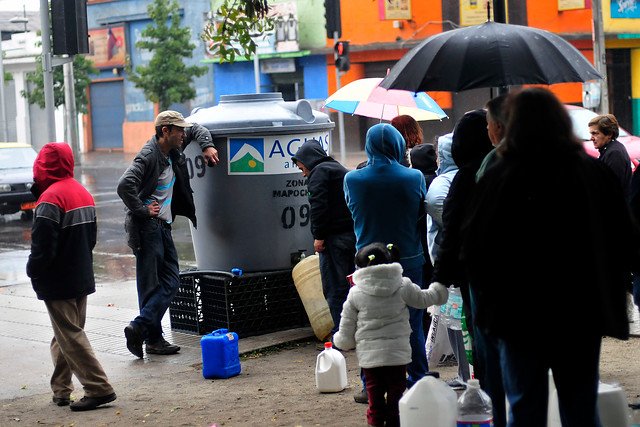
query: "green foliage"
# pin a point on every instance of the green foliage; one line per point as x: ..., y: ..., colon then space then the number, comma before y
x: 82, y: 68
x: 166, y: 79
x: 239, y: 20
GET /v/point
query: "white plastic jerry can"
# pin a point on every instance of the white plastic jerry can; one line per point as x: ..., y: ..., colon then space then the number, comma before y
x: 429, y: 403
x: 331, y: 370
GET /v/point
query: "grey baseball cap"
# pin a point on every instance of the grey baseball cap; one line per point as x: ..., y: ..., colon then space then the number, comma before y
x: 170, y: 117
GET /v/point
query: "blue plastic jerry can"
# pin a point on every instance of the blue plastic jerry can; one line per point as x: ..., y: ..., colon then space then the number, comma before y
x: 220, y: 355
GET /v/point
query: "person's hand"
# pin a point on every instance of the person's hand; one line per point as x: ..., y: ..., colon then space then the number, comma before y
x: 318, y: 245
x: 438, y: 292
x: 211, y: 156
x: 154, y: 209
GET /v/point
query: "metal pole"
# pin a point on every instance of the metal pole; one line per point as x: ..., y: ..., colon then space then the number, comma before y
x: 70, y: 110
x: 5, y: 133
x: 499, y: 15
x: 256, y: 70
x: 343, y: 153
x: 599, y: 55
x: 47, y: 71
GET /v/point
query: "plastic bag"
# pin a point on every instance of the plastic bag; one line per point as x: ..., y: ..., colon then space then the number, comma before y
x: 437, y: 344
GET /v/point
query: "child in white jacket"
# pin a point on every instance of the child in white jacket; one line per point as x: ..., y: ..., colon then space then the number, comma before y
x: 375, y: 320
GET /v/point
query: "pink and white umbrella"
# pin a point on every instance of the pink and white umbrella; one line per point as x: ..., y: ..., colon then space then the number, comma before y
x: 364, y: 97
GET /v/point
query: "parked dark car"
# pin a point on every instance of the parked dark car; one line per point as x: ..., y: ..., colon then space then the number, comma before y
x: 16, y: 178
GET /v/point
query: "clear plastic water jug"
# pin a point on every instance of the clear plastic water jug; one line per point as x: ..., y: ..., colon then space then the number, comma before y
x: 451, y: 312
x: 474, y: 407
x: 635, y: 414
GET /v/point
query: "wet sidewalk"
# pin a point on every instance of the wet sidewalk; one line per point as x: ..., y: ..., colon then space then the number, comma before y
x: 25, y: 334
x: 25, y: 329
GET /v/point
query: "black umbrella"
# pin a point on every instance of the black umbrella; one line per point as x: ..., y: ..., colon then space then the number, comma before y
x: 489, y: 55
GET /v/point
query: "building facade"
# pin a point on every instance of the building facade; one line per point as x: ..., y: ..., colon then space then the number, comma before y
x: 297, y: 58
x: 120, y: 118
x: 382, y: 34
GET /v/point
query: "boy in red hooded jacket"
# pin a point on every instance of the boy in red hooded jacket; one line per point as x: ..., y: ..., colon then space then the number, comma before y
x: 60, y: 266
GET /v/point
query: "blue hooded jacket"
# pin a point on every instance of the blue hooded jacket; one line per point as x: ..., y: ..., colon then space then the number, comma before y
x: 385, y: 197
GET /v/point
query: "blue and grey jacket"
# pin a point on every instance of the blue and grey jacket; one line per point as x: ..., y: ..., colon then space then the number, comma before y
x: 385, y: 197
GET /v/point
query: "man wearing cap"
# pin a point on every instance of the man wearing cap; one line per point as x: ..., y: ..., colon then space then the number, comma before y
x: 155, y: 188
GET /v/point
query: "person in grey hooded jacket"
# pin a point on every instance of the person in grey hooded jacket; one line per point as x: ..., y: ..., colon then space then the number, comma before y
x: 331, y: 223
x: 436, y: 195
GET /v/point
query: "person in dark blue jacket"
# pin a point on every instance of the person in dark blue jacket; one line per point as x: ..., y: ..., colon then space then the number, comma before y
x: 331, y: 223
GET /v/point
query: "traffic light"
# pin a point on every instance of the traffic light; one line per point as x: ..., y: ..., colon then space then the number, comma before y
x: 69, y: 27
x: 332, y: 15
x: 341, y: 49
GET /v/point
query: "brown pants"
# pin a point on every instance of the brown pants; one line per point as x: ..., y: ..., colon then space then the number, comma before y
x: 71, y: 351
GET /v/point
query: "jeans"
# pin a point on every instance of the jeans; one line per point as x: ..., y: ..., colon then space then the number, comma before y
x: 636, y: 289
x: 418, y: 367
x: 336, y: 263
x: 486, y: 356
x: 156, y: 276
x: 457, y: 345
x: 573, y: 359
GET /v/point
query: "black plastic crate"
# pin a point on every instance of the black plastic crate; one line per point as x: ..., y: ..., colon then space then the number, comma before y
x: 251, y: 304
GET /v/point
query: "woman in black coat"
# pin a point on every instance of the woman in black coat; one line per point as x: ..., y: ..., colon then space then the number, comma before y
x: 548, y: 245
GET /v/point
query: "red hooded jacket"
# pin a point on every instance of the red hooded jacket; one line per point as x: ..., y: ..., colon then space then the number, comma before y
x: 64, y: 230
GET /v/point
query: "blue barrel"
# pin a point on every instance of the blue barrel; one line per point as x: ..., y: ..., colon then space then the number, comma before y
x: 220, y: 355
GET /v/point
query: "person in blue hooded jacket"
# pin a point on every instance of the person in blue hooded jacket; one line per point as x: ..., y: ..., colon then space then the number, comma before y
x: 386, y: 200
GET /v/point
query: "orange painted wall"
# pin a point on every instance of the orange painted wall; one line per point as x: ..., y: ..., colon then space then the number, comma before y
x: 544, y: 14
x: 135, y: 135
x: 361, y: 23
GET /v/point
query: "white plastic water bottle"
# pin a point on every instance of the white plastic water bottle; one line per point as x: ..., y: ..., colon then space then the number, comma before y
x: 331, y: 370
x: 452, y: 311
x: 474, y: 407
x: 635, y: 414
